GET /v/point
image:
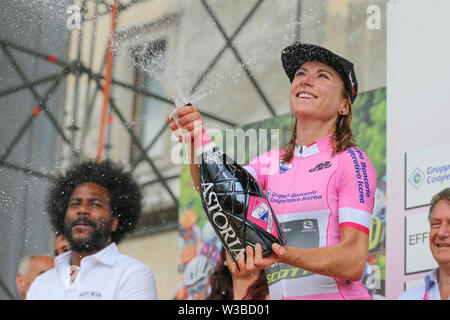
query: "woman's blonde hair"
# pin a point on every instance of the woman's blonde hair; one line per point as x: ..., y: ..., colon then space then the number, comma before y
x: 342, y: 134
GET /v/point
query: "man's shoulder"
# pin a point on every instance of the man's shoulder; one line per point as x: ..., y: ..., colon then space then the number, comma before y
x: 415, y: 293
x: 136, y: 278
x: 44, y: 280
x: 132, y: 264
x: 47, y: 275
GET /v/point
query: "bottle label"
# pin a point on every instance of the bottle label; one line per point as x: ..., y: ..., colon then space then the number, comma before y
x: 204, y: 145
x: 220, y: 221
x: 260, y: 214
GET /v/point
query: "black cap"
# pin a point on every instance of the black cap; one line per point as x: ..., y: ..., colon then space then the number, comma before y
x: 294, y: 56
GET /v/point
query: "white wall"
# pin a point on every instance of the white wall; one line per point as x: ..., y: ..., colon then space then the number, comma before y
x: 418, y: 111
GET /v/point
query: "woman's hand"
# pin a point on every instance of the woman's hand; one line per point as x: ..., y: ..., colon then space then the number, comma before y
x: 187, y: 123
x: 190, y: 123
x: 245, y: 264
x: 238, y: 269
x: 255, y: 260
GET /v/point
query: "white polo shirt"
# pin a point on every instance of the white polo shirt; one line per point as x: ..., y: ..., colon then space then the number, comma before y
x: 106, y: 275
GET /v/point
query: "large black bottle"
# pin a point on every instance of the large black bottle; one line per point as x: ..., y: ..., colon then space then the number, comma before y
x: 234, y: 202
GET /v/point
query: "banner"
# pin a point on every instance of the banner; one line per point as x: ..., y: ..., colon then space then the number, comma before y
x: 427, y: 173
x: 199, y: 249
x: 418, y: 257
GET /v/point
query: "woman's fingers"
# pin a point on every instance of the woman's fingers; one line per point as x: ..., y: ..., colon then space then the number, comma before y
x: 241, y: 262
x: 186, y: 122
x: 280, y: 252
x: 261, y: 262
x: 189, y: 119
x: 184, y: 110
x: 238, y: 268
x: 258, y: 253
x: 233, y: 268
x: 172, y: 125
x: 252, y: 261
x: 249, y: 263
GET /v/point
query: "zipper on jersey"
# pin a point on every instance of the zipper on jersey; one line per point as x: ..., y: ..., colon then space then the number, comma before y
x: 301, y: 148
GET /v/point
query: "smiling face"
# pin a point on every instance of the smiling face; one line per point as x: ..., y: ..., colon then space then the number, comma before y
x: 440, y: 233
x: 317, y: 93
x: 88, y: 222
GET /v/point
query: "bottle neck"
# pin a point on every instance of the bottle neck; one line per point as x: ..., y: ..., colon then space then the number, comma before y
x: 201, y: 139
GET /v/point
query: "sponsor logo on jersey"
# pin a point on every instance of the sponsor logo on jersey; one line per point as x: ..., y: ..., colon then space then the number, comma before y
x: 90, y: 294
x: 279, y: 271
x: 308, y: 225
x: 321, y: 166
x: 361, y: 174
x: 285, y: 167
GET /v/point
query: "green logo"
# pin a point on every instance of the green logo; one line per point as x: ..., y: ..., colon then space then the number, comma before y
x: 416, y: 178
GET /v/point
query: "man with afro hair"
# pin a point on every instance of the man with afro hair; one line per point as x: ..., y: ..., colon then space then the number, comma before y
x: 94, y: 205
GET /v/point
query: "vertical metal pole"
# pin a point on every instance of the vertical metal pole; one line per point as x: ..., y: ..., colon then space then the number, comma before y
x: 90, y: 106
x: 298, y: 24
x: 74, y: 127
x: 88, y: 89
x: 106, y: 88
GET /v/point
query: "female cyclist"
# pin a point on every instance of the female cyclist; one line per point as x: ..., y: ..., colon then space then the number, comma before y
x: 322, y: 188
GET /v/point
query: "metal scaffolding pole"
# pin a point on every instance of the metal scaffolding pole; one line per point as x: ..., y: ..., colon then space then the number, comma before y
x: 298, y: 30
x: 29, y: 171
x: 73, y: 127
x: 30, y: 119
x: 106, y: 88
x: 238, y: 57
x: 222, y: 50
x: 30, y: 84
x: 42, y: 102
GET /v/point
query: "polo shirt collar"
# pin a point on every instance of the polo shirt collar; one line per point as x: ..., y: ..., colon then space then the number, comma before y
x: 431, y: 279
x: 107, y: 255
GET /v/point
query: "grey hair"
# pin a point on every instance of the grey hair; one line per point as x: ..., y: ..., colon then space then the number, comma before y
x: 24, y: 265
x: 443, y: 195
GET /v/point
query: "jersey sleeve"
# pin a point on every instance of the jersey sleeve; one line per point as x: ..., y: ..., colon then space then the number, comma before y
x: 356, y: 181
x: 263, y: 166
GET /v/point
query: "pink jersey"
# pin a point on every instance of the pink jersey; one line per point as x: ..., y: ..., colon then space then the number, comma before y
x: 314, y: 196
